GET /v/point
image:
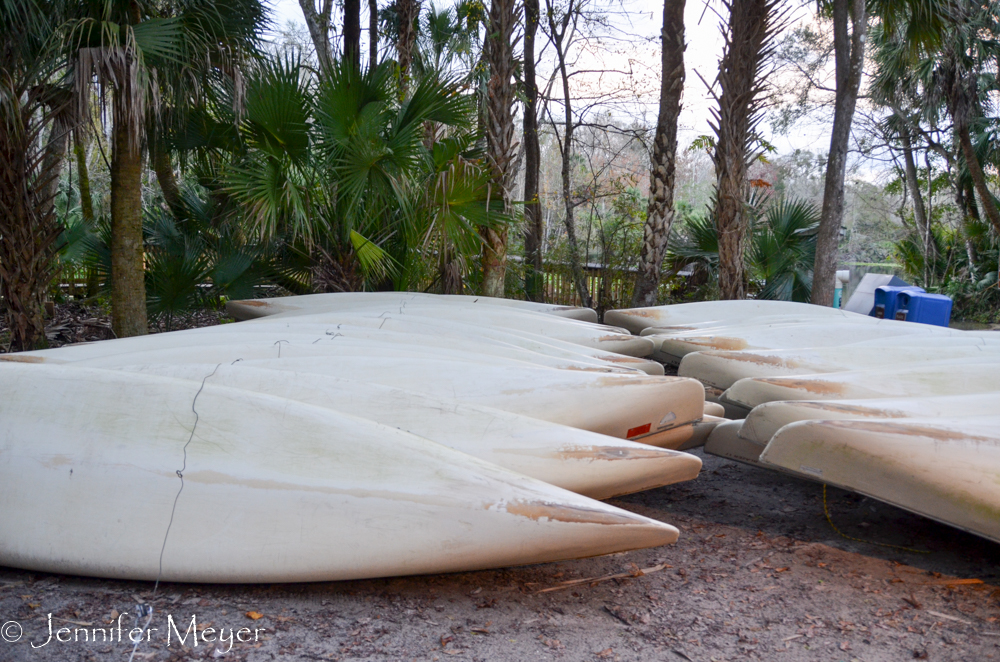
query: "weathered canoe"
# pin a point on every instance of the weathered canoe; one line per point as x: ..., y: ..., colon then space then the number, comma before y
x: 765, y: 420
x: 624, y: 405
x: 673, y: 348
x: 117, y: 474
x: 722, y: 369
x: 637, y: 319
x: 254, y: 308
x: 336, y: 338
x: 933, y: 378
x: 601, y: 337
x: 947, y: 469
x: 594, y: 465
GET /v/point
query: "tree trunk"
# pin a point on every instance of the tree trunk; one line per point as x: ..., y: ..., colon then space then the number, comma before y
x: 318, y: 22
x: 501, y: 144
x: 910, y: 170
x: 660, y: 211
x: 372, y: 33
x: 558, y: 33
x: 967, y: 211
x: 534, y: 281
x: 28, y: 224
x: 166, y: 178
x: 128, y: 291
x: 986, y: 198
x: 352, y: 32
x: 54, y: 160
x: 750, y: 27
x: 83, y: 177
x: 407, y: 13
x: 849, y: 56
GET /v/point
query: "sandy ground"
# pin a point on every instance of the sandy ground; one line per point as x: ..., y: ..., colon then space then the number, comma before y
x: 758, y: 574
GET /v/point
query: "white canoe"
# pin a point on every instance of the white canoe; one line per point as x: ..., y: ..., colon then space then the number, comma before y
x: 441, y: 331
x: 721, y: 369
x: 720, y: 326
x: 637, y: 319
x: 338, y: 338
x: 724, y: 441
x: 942, y: 468
x: 605, y: 338
x: 623, y: 405
x: 934, y: 378
x: 255, y: 308
x: 765, y: 420
x: 673, y: 348
x: 701, y: 431
x: 594, y: 465
x: 273, y: 490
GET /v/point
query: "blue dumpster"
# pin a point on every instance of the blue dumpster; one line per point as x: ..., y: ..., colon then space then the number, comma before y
x: 924, y: 308
x: 887, y: 300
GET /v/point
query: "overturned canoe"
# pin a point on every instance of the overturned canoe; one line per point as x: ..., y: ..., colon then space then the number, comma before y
x: 254, y: 308
x: 595, y: 465
x: 610, y: 339
x: 765, y: 420
x: 722, y: 369
x: 933, y: 378
x: 624, y: 405
x: 942, y: 468
x: 273, y: 340
x: 725, y: 312
x: 213, y: 484
x: 673, y: 348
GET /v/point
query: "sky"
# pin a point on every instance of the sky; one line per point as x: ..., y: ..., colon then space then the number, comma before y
x: 639, y: 53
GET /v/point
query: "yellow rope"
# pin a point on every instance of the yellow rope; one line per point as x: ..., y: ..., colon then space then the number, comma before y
x: 826, y: 511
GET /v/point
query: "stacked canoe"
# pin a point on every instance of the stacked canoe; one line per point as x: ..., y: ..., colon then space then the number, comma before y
x: 340, y: 436
x: 905, y: 413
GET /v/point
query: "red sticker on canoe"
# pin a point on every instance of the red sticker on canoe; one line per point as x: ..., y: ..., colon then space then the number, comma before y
x: 635, y: 432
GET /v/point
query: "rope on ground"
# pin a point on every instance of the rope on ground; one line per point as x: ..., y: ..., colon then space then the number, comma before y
x: 826, y: 511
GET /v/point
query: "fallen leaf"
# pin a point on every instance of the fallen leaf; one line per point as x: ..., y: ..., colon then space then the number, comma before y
x: 255, y: 615
x: 607, y: 652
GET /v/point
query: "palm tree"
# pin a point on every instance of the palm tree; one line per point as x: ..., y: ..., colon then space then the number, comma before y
x: 748, y: 47
x: 501, y: 138
x: 783, y: 250
x: 660, y: 211
x: 145, y: 53
x: 35, y: 98
x: 533, y: 225
x: 340, y: 166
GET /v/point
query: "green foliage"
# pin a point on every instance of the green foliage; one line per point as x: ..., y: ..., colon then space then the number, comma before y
x: 779, y: 255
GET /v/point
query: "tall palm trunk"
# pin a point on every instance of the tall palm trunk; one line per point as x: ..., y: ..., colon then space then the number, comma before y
x: 407, y: 13
x: 165, y: 177
x: 501, y: 143
x: 352, y: 32
x: 372, y: 33
x: 28, y: 224
x: 83, y: 177
x: 86, y: 200
x: 534, y: 284
x: 128, y: 291
x: 660, y: 211
x: 747, y: 48
x: 849, y: 55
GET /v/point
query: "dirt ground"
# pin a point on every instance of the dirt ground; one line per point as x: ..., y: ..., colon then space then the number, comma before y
x: 758, y: 574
